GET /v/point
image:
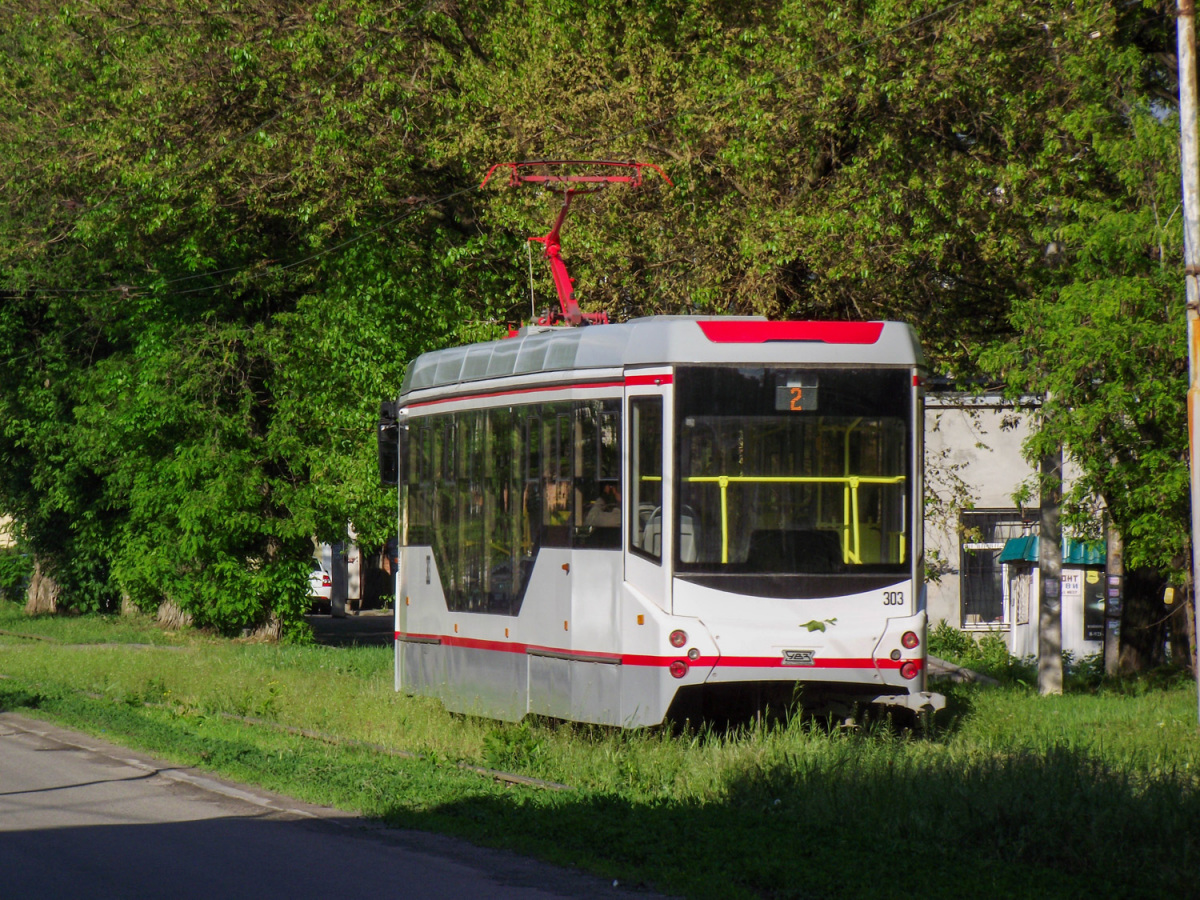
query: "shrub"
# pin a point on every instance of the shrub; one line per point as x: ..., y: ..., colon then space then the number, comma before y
x: 16, y: 569
x: 988, y: 654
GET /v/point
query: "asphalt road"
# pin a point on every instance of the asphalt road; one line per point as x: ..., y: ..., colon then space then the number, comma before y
x: 80, y: 818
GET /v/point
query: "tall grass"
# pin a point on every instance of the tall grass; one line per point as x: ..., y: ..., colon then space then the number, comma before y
x: 1011, y: 795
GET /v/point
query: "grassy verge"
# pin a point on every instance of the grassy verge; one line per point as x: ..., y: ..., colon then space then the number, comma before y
x: 1014, y: 795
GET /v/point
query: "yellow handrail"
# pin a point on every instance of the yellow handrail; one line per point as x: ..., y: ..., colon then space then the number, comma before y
x: 851, y: 483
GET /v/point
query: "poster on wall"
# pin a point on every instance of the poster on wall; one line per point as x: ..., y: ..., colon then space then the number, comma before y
x: 1072, y: 584
x: 1113, y: 600
x: 1018, y: 591
x: 1093, y: 604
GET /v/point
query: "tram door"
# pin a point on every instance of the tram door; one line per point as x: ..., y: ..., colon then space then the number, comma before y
x: 648, y: 473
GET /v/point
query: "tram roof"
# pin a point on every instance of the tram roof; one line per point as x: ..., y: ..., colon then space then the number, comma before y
x: 669, y: 340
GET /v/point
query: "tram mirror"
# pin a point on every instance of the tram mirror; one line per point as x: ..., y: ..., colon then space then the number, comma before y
x: 387, y: 438
x: 796, y: 393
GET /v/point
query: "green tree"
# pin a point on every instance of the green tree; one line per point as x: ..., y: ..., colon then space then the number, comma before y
x: 1102, y: 340
x: 230, y: 225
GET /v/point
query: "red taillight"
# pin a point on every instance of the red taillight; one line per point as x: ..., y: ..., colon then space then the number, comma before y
x: 326, y: 581
x: 679, y: 668
x: 909, y: 669
x: 909, y: 640
x: 678, y: 638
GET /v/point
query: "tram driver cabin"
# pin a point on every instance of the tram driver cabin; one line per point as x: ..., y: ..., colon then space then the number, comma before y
x: 598, y: 523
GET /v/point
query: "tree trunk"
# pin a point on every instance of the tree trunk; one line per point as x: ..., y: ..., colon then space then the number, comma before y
x: 42, y: 596
x: 270, y: 631
x: 1114, y: 581
x: 172, y: 616
x: 1142, y: 627
x: 1181, y: 630
x: 1050, y: 660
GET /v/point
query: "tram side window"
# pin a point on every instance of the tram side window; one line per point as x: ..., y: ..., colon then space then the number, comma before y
x: 420, y: 485
x: 504, y: 480
x: 557, y: 444
x: 531, y: 496
x: 646, y: 476
x: 488, y: 489
x: 597, y: 516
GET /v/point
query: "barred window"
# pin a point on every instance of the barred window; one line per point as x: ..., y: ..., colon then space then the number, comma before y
x: 982, y: 589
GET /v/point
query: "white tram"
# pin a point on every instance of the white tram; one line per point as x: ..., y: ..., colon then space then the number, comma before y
x: 598, y: 522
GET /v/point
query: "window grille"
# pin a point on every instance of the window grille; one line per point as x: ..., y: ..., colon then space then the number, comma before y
x: 982, y: 577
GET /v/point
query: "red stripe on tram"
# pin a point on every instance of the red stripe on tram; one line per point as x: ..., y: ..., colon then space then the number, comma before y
x: 566, y: 386
x: 635, y: 659
x: 571, y: 386
x: 724, y: 332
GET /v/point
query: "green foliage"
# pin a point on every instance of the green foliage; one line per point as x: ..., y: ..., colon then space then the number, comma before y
x: 227, y: 229
x: 16, y: 568
x: 1101, y: 338
x: 987, y: 654
x: 1040, y: 788
x: 511, y: 748
x: 949, y: 643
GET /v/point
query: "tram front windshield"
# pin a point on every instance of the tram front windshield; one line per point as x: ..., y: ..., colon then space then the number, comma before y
x: 793, y: 471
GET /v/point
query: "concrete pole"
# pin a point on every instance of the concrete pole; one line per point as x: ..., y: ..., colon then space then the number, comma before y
x: 1050, y: 667
x: 1189, y: 144
x: 1115, y: 572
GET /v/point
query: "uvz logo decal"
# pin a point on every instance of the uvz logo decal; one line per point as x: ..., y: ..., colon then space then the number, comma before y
x: 799, y: 657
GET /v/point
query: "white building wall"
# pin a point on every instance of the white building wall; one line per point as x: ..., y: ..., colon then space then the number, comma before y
x: 973, y: 455
x: 972, y: 452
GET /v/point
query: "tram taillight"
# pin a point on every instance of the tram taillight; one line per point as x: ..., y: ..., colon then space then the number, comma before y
x: 679, y: 668
x: 909, y: 669
x: 678, y: 638
x: 909, y: 639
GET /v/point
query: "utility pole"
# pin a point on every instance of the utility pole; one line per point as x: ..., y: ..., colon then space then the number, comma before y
x: 1050, y: 667
x: 1115, y: 571
x: 1189, y: 143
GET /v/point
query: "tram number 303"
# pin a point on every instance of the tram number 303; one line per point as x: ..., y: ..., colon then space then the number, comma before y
x: 893, y: 598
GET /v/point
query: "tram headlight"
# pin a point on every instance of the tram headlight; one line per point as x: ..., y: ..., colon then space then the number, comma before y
x: 679, y: 668
x: 693, y: 654
x: 678, y: 638
x: 909, y: 669
x: 909, y: 640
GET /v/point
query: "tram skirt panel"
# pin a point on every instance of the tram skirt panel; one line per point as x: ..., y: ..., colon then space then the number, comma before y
x: 485, y: 683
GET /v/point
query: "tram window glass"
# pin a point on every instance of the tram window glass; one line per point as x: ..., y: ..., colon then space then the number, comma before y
x: 812, y: 488
x: 503, y: 481
x: 530, y: 514
x: 645, y: 476
x: 420, y: 486
x: 487, y: 489
x: 447, y: 439
x: 608, y: 450
x: 597, y: 475
x: 556, y: 483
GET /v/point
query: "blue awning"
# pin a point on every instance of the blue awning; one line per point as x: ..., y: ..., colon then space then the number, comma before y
x: 1074, y: 553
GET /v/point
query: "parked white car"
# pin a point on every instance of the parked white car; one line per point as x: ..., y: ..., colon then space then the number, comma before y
x: 320, y: 584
